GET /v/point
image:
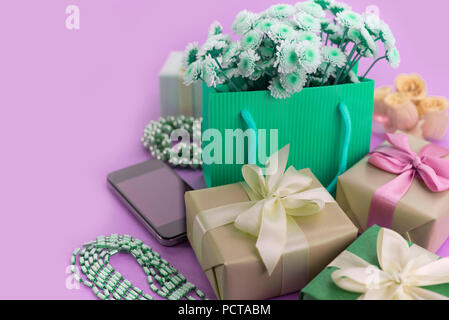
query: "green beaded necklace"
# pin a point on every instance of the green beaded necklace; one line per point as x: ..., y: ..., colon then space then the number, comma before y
x: 157, y: 139
x: 108, y: 284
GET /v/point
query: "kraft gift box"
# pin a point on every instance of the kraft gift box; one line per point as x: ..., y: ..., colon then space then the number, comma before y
x: 176, y: 98
x: 229, y: 257
x: 365, y: 247
x: 421, y: 216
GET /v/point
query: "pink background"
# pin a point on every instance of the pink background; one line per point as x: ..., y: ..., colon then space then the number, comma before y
x: 74, y: 104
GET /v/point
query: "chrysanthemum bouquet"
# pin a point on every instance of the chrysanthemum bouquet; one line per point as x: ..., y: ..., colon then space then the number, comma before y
x: 287, y: 48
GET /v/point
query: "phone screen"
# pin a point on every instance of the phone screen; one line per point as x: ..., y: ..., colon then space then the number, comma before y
x: 158, y: 196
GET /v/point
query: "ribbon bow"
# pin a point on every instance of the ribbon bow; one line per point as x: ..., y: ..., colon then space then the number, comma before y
x: 428, y: 164
x: 403, y: 271
x: 274, y: 199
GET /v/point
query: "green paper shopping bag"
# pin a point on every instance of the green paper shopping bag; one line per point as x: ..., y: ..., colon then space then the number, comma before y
x: 328, y: 128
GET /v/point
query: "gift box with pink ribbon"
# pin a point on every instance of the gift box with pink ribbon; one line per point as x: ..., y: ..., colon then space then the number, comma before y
x: 402, y: 185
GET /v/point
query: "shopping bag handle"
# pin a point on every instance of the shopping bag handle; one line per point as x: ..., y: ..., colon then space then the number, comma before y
x: 344, y: 111
x: 252, y: 144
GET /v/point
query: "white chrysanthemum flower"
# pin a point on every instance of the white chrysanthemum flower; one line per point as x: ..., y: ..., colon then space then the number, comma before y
x: 193, y: 73
x: 294, y: 81
x: 256, y: 75
x: 213, y: 46
x: 232, y: 73
x: 261, y: 67
x: 244, y: 21
x: 267, y: 51
x: 190, y: 54
x: 333, y: 29
x: 336, y: 38
x: 353, y: 77
x: 369, y: 43
x: 210, y: 70
x: 354, y: 35
x: 393, y: 57
x: 280, y: 31
x: 323, y: 3
x: 334, y: 56
x: 276, y: 89
x: 307, y: 22
x: 309, y: 56
x: 327, y: 71
x: 247, y: 62
x: 372, y: 23
x: 387, y: 36
x: 230, y: 54
x: 287, y: 58
x: 228, y: 74
x: 325, y: 22
x: 251, y: 40
x: 336, y: 7
x: 350, y: 19
x: 215, y: 29
x: 280, y: 11
x: 264, y: 25
x: 311, y: 8
x: 307, y: 36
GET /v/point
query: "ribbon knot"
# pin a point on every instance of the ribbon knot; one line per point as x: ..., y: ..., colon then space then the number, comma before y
x: 403, y: 271
x: 278, y: 197
x: 398, y: 277
x: 274, y: 200
x: 429, y: 165
x: 417, y: 163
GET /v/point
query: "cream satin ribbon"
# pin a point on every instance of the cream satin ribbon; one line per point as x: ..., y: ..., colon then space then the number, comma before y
x: 403, y: 270
x: 274, y: 200
x: 185, y: 96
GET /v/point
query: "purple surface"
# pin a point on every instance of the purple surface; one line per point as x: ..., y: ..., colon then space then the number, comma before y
x: 74, y: 104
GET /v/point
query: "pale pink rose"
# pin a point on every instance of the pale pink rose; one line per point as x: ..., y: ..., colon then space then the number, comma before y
x: 380, y: 108
x: 401, y: 112
x: 435, y: 124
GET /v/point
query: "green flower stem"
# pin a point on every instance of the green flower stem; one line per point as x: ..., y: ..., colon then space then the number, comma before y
x: 340, y: 72
x: 372, y: 65
x: 308, y: 82
x: 351, y: 66
x: 264, y: 71
x: 344, y: 37
x: 234, y: 87
x: 327, y: 39
x: 351, y: 54
x: 325, y: 72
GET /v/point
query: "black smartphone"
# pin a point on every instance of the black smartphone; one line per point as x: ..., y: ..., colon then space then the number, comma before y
x: 154, y: 193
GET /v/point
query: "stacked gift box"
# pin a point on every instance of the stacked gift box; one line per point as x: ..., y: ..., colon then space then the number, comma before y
x: 175, y: 97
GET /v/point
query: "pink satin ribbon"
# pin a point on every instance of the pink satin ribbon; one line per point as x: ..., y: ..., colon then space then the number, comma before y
x: 398, y: 159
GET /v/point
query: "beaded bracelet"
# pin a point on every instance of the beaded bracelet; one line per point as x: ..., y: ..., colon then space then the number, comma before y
x: 108, y: 284
x: 157, y: 139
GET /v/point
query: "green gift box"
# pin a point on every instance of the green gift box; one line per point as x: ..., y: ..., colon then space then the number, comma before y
x: 310, y: 121
x: 323, y: 287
